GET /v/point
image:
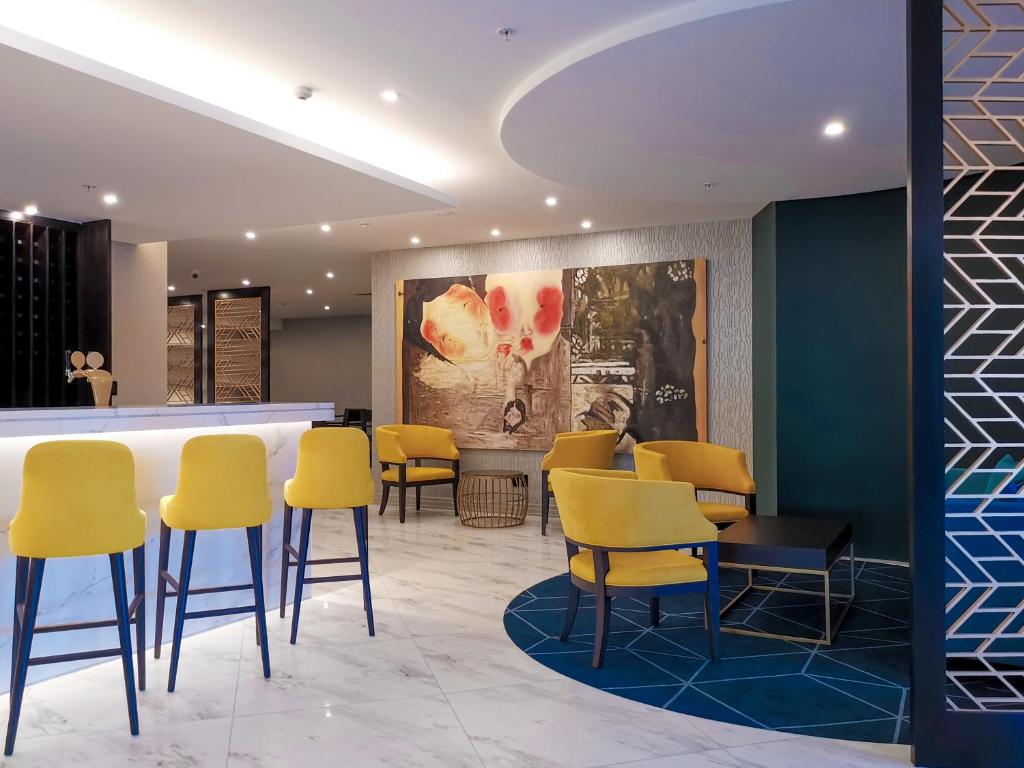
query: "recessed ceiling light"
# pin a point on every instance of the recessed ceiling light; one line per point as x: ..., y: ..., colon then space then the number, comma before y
x: 835, y: 128
x: 17, y: 215
x: 245, y: 282
x: 330, y: 275
x: 250, y: 235
x: 414, y: 240
x: 325, y: 227
x: 550, y: 200
x: 202, y: 325
x: 327, y: 307
x: 389, y: 96
x: 309, y: 291
x: 170, y: 287
x: 110, y: 198
x: 586, y: 224
x: 495, y: 232
x: 31, y: 210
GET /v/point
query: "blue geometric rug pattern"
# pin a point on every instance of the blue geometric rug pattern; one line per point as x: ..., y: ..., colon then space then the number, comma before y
x: 856, y: 689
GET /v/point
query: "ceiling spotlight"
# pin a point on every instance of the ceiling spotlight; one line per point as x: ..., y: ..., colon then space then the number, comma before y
x: 414, y: 240
x: 325, y: 227
x: 110, y: 198
x: 389, y: 96
x: 327, y: 307
x: 309, y: 291
x: 495, y: 232
x: 250, y: 235
x: 330, y: 275
x: 835, y: 128
x: 170, y: 287
x: 245, y: 282
x: 31, y: 210
x: 17, y: 215
x: 586, y: 224
x: 550, y: 201
x: 303, y: 93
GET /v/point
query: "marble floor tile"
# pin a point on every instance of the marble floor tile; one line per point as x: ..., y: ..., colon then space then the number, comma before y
x: 808, y: 750
x: 480, y: 660
x: 415, y: 733
x: 717, y: 758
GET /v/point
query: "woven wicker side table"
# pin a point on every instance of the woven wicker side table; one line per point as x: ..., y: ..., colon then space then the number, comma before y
x: 493, y: 498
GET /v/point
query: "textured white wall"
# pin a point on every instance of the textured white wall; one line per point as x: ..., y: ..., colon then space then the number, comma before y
x: 138, y: 310
x: 725, y: 244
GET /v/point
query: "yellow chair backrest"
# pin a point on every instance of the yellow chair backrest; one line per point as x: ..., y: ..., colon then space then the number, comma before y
x: 77, y: 499
x: 397, y: 443
x: 601, y: 508
x: 332, y: 471
x: 222, y: 483
x: 705, y: 465
x: 582, y: 450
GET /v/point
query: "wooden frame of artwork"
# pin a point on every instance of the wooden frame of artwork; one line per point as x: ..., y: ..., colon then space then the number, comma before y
x: 250, y: 385
x: 507, y: 360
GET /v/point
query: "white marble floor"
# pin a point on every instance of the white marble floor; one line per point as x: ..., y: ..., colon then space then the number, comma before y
x: 440, y: 684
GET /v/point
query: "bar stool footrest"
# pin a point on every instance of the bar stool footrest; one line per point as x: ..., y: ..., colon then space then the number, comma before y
x: 219, y: 611
x: 79, y: 656
x: 329, y: 579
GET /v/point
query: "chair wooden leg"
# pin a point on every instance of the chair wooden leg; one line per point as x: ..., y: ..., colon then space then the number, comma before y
x: 255, y: 536
x: 362, y: 543
x: 655, y: 611
x: 572, y: 606
x: 124, y: 633
x: 545, y: 508
x: 188, y: 550
x: 604, y: 609
x: 20, y: 587
x: 418, y: 489
x: 139, y: 580
x: 384, y: 491
x: 300, y: 571
x: 711, y: 599
x: 401, y: 503
x: 161, y: 586
x: 455, y: 498
x: 286, y: 558
x: 34, y: 585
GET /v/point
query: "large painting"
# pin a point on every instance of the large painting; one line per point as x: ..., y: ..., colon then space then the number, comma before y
x: 507, y: 360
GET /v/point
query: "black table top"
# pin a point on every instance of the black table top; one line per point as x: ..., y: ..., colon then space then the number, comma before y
x: 804, y: 543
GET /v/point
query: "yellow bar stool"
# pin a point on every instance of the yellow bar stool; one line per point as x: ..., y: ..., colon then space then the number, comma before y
x: 331, y: 474
x: 77, y: 500
x: 222, y: 484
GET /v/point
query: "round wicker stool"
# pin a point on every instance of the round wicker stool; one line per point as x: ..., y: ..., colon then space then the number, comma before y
x: 492, y: 498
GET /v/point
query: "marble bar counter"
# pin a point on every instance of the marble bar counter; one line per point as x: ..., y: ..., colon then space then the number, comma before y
x: 79, y: 589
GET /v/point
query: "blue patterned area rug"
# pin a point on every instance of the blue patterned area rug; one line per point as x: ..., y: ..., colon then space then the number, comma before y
x: 856, y: 689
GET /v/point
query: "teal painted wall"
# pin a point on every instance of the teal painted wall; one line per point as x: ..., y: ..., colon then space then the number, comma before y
x: 766, y: 467
x: 840, y: 367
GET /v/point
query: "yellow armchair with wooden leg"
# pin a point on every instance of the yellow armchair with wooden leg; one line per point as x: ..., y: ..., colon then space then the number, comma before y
x: 398, y: 444
x: 624, y: 537
x: 708, y: 467
x: 574, y: 450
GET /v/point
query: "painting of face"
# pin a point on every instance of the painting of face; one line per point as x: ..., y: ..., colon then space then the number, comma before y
x: 456, y: 324
x: 526, y: 310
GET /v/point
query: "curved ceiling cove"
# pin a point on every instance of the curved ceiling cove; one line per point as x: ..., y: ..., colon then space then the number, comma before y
x: 737, y: 100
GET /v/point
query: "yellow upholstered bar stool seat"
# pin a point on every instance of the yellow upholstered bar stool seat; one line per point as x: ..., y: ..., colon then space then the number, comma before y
x: 708, y: 467
x: 624, y: 538
x: 331, y: 473
x: 222, y: 484
x: 398, y: 444
x: 580, y: 450
x: 77, y: 500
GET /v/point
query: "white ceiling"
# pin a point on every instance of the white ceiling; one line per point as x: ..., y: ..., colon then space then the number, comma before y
x: 578, y: 78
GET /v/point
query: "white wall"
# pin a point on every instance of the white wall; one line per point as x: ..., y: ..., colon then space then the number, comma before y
x: 139, y: 322
x: 322, y: 359
x: 726, y: 245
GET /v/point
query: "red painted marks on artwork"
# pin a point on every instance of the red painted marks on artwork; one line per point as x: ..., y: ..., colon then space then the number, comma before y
x: 549, y: 312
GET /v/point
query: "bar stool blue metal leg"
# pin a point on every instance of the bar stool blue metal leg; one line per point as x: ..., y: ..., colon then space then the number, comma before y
x: 255, y: 535
x: 187, y: 553
x: 28, y: 626
x: 124, y: 634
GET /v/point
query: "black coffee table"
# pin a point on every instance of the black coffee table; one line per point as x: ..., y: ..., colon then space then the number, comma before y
x: 801, y: 545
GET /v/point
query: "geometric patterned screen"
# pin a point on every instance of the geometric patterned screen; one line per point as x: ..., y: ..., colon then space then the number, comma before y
x: 238, y: 350
x: 181, y: 357
x: 983, y: 106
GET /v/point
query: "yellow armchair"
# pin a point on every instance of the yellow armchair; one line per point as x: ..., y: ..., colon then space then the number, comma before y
x: 707, y: 467
x: 624, y: 538
x: 397, y: 444
x: 579, y: 450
